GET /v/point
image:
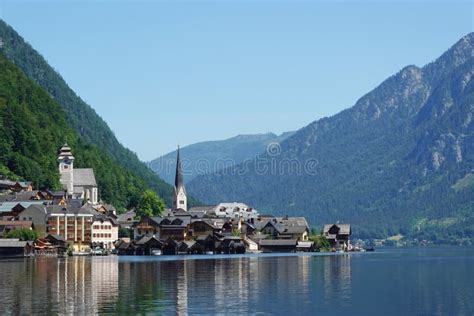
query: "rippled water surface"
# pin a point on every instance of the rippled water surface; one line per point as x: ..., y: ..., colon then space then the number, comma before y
x: 386, y: 282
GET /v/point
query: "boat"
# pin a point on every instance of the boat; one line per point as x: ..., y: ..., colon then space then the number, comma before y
x: 209, y: 252
x: 156, y: 252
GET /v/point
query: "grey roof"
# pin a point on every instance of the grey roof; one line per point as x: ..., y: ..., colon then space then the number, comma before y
x: 202, y: 209
x: 215, y: 223
x: 127, y: 217
x: 7, y: 183
x: 185, y: 221
x: 84, y: 177
x: 8, y: 206
x: 57, y: 237
x: 178, y: 212
x: 12, y: 243
x: 178, y: 180
x: 37, y: 208
x: 146, y: 239
x: 278, y: 242
x: 59, y: 209
x: 289, y: 225
x: 344, y: 229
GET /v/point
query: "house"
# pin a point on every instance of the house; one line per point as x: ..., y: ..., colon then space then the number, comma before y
x: 170, y: 247
x: 147, y: 226
x: 127, y: 220
x: 78, y: 182
x: 148, y: 246
x: 231, y: 245
x: 20, y: 186
x: 8, y: 226
x: 174, y: 227
x: 11, y: 209
x: 207, y: 243
x: 338, y: 235
x: 72, y: 223
x: 287, y: 228
x: 15, y: 186
x: 104, y: 231
x: 38, y: 215
x: 15, y: 248
x: 278, y: 245
x: 125, y: 248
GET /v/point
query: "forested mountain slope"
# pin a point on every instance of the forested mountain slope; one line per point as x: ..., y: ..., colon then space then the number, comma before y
x: 80, y: 116
x: 401, y: 160
x: 211, y: 156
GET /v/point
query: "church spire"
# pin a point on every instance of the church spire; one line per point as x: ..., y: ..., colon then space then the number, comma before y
x: 180, y: 200
x: 178, y: 179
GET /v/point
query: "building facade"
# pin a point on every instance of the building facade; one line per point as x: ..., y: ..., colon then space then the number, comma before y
x: 79, y: 183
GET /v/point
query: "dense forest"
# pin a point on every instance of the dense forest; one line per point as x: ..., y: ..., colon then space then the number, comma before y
x: 89, y: 126
x: 33, y: 127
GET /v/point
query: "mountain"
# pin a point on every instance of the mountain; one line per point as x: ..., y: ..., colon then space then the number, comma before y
x: 91, y: 128
x: 401, y: 160
x: 33, y: 126
x: 211, y: 156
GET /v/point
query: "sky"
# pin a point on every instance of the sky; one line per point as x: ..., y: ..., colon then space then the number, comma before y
x: 165, y: 73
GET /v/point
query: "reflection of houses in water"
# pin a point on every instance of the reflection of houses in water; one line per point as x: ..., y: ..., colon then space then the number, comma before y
x: 337, y: 278
x: 104, y: 279
x: 182, y: 289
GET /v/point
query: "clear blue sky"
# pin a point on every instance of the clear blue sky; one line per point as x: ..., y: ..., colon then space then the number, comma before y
x: 163, y: 73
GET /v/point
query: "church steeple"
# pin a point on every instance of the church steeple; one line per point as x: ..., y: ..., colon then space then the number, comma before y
x: 180, y: 200
x: 66, y: 168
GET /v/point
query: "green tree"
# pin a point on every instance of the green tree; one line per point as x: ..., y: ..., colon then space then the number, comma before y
x: 150, y: 204
x: 320, y: 241
x: 22, y: 234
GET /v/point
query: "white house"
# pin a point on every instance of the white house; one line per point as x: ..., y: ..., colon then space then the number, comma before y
x: 104, y: 231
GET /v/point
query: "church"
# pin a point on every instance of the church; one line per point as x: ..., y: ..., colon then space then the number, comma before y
x: 180, y: 200
x: 79, y: 183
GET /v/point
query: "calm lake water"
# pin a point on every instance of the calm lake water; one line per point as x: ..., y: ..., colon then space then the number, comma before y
x: 387, y: 282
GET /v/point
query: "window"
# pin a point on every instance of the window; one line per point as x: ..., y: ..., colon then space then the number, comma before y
x: 181, y: 201
x: 66, y: 166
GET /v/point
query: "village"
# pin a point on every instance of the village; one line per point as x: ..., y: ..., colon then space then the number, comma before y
x: 74, y: 221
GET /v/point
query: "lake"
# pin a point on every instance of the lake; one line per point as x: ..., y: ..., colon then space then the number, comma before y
x: 424, y: 281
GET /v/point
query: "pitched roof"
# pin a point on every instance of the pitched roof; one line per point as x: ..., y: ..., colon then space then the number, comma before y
x: 35, y: 208
x: 12, y: 243
x: 178, y: 180
x: 344, y: 229
x: 84, y: 177
x: 127, y: 217
x: 8, y: 206
x: 70, y: 210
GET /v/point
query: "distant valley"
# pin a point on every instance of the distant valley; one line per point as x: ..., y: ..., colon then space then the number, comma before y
x: 212, y: 156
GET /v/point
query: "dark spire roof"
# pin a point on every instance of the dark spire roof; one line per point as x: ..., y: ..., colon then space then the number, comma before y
x: 178, y: 180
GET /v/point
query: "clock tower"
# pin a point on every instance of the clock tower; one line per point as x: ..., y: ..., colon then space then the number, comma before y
x: 66, y: 168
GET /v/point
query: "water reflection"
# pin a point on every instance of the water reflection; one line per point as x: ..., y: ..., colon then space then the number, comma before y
x: 242, y: 285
